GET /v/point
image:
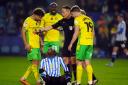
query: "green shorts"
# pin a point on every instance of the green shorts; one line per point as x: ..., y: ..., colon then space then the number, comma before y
x: 84, y: 52
x: 34, y: 54
x: 54, y: 45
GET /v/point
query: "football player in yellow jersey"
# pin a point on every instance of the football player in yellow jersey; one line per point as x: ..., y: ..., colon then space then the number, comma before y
x: 84, y: 29
x: 32, y: 44
x: 51, y: 37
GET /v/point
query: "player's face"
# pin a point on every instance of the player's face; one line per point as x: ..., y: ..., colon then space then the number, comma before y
x: 74, y: 14
x: 38, y: 18
x: 119, y: 18
x: 51, y: 52
x: 65, y: 12
x: 53, y: 10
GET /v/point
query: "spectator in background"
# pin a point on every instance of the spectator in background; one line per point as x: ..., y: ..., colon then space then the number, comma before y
x: 102, y: 37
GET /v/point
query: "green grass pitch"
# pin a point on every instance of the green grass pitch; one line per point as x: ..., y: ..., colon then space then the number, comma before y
x: 12, y: 68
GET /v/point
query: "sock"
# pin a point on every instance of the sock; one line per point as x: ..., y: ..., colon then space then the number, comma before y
x: 69, y: 68
x: 94, y: 78
x: 74, y: 70
x: 89, y: 73
x: 113, y: 57
x: 35, y: 71
x: 27, y: 73
x: 79, y: 73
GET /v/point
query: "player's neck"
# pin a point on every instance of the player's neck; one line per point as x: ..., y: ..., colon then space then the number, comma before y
x: 32, y: 17
x: 79, y: 14
x: 68, y: 17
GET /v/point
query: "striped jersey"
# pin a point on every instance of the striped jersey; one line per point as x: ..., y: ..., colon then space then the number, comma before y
x: 121, y: 31
x: 52, y: 65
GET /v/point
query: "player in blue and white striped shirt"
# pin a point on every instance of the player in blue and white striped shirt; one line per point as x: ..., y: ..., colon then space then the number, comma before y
x: 50, y: 69
x: 121, y: 39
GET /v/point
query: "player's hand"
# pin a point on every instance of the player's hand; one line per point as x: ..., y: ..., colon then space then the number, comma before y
x: 70, y: 47
x: 28, y: 47
x: 41, y: 48
x: 36, y: 32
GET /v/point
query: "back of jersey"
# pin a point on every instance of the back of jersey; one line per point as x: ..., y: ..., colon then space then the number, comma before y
x: 86, y: 27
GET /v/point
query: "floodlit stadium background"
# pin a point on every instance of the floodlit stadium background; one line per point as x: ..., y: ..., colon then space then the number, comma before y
x: 103, y: 12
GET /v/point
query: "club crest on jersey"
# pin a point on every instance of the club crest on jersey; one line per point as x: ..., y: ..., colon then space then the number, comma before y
x: 51, y: 18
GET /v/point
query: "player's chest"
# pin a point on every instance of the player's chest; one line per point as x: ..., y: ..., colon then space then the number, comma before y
x: 52, y: 19
x: 34, y: 25
x: 68, y: 26
x: 53, y: 63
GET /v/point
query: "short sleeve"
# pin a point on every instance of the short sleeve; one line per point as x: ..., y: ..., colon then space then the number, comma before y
x: 26, y: 25
x: 76, y: 22
x: 42, y: 64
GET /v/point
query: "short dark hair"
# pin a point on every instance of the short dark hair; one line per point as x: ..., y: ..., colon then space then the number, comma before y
x: 121, y: 15
x: 66, y: 7
x: 38, y: 11
x: 75, y: 9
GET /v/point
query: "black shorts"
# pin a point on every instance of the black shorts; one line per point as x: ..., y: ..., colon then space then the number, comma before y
x: 121, y: 44
x: 55, y: 81
x: 66, y: 52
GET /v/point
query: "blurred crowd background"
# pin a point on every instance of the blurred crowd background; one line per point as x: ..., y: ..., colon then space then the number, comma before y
x: 103, y: 12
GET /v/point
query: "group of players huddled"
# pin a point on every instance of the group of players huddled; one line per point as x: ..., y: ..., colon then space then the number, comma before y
x: 41, y: 31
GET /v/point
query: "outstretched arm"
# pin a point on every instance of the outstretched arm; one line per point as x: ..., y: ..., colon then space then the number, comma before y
x: 54, y: 26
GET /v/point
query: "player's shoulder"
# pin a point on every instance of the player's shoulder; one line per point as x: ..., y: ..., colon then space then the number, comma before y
x: 88, y: 18
x: 47, y: 14
x: 58, y: 14
x: 78, y: 19
x: 58, y: 57
x: 44, y: 59
x: 123, y: 22
x: 28, y: 19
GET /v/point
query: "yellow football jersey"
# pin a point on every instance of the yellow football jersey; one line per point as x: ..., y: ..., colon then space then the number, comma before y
x: 86, y: 27
x: 48, y: 20
x: 30, y: 25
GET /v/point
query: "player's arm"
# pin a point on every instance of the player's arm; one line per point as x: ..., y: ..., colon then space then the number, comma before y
x: 54, y: 26
x: 74, y: 38
x: 66, y: 71
x: 63, y: 65
x: 41, y: 44
x: 23, y: 33
x: 41, y: 70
